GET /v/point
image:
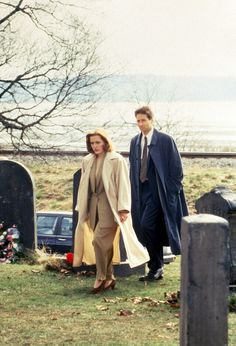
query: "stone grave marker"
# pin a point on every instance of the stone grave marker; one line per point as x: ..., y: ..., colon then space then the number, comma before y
x: 221, y: 201
x: 17, y: 200
x: 204, y: 281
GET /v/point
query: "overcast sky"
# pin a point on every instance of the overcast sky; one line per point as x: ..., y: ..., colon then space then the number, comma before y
x: 167, y: 37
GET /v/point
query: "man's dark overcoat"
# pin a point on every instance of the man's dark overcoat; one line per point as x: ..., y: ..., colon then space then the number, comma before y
x: 169, y: 175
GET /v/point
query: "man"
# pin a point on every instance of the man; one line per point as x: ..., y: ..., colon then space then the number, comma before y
x: 158, y: 202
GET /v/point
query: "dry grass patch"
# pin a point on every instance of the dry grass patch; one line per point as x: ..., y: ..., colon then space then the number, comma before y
x: 54, y: 179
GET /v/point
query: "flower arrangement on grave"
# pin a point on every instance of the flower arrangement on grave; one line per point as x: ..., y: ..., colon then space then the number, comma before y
x: 10, y: 247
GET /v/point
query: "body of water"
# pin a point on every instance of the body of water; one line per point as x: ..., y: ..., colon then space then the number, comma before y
x: 195, y: 126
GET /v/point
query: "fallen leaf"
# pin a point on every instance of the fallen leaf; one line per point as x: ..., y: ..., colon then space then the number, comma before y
x: 137, y: 300
x: 163, y: 336
x: 109, y: 300
x: 154, y: 304
x: 171, y: 325
x: 65, y: 271
x: 172, y: 296
x: 102, y: 307
x: 149, y: 299
x: 86, y: 273
x: 175, y: 305
x: 125, y: 313
x: 162, y: 302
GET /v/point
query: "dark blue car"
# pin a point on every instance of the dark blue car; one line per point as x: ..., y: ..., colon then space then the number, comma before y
x: 54, y: 231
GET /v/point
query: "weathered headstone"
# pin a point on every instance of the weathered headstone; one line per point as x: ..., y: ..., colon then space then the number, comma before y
x: 204, y: 281
x: 17, y: 200
x: 221, y: 201
x: 121, y: 269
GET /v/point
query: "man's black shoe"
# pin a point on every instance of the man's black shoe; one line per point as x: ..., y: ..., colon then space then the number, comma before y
x: 152, y: 276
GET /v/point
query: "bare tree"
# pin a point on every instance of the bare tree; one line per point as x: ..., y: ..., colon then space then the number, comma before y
x: 49, y: 70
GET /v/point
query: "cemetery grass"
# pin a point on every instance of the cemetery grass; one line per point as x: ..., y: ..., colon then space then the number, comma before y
x: 41, y: 307
x: 45, y: 307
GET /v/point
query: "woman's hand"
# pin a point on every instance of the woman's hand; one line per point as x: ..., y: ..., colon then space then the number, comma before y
x: 123, y: 214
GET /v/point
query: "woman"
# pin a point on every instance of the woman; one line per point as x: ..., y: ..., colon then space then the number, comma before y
x: 104, y: 202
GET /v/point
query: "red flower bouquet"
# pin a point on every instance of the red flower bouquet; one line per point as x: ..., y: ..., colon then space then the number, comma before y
x: 69, y: 257
x: 10, y: 248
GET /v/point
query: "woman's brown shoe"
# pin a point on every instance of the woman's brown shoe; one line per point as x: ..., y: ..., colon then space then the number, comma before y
x: 98, y: 289
x: 111, y: 285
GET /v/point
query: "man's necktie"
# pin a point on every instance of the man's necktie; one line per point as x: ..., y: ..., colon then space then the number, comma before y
x: 143, y: 168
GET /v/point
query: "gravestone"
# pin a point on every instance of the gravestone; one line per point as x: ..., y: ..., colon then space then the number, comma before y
x: 122, y: 269
x: 17, y: 201
x: 221, y: 201
x: 204, y: 280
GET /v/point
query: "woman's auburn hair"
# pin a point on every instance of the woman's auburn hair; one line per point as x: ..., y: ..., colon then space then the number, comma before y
x: 103, y: 135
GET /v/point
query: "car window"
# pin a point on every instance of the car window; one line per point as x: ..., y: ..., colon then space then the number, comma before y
x: 66, y: 225
x: 46, y: 224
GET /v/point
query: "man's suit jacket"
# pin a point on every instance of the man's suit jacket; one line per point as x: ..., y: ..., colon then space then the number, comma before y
x: 169, y: 175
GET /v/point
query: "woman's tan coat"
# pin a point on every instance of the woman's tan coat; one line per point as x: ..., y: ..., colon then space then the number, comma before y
x: 117, y: 186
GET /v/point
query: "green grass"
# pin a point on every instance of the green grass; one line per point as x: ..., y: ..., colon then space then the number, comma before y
x: 41, y: 307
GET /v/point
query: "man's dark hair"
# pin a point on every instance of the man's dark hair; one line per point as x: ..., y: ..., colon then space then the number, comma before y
x: 146, y: 111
